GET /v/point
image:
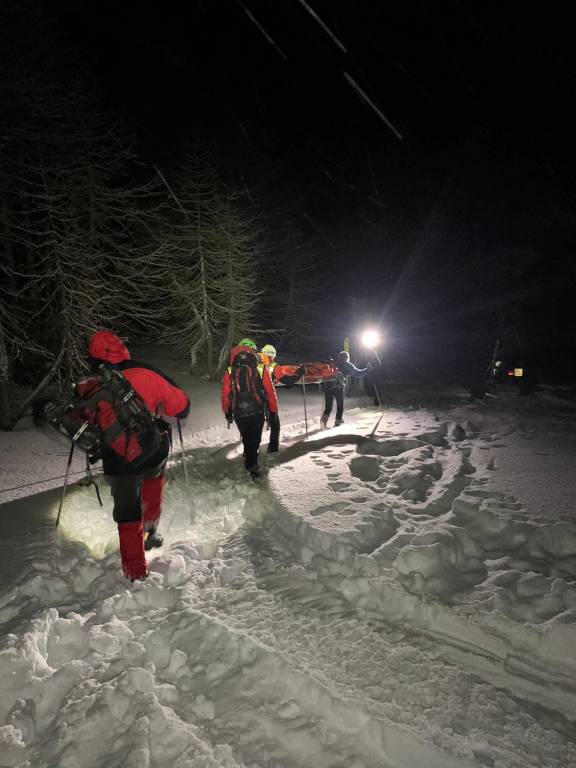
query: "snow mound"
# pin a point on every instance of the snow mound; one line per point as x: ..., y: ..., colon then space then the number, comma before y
x: 410, y: 531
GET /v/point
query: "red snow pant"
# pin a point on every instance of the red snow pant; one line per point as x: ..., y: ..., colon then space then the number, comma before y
x: 137, y: 508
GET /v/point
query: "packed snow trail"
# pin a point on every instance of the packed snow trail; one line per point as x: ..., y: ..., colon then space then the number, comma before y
x: 33, y: 461
x: 256, y: 642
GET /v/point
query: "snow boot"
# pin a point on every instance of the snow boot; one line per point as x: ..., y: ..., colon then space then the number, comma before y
x: 338, y: 422
x: 255, y: 472
x: 324, y: 422
x: 153, y: 539
x: 132, y: 550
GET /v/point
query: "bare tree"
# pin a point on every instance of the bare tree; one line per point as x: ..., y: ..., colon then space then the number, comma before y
x: 211, y: 249
x: 75, y: 232
x: 239, y: 291
x: 294, y: 293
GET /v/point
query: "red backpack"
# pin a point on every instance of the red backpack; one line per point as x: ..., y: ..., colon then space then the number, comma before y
x: 107, y: 413
x: 248, y: 396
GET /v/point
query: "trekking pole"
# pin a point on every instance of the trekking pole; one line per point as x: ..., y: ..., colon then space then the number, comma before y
x: 304, y: 397
x: 374, y: 384
x: 88, y: 480
x: 91, y: 481
x: 376, y: 425
x: 184, y: 467
x: 65, y: 484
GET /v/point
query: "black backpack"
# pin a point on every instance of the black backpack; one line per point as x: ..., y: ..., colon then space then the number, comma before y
x: 108, y: 413
x: 248, y: 396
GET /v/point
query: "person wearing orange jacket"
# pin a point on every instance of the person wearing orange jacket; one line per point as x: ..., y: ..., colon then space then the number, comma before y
x: 278, y: 376
x: 248, y: 398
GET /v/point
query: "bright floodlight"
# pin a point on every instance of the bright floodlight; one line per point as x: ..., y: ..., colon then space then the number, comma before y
x: 371, y: 338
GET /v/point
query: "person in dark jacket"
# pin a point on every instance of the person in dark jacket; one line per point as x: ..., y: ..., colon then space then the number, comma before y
x: 334, y: 389
x: 247, y: 397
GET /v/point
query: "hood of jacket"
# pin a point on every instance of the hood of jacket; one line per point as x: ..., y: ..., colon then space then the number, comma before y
x: 106, y: 346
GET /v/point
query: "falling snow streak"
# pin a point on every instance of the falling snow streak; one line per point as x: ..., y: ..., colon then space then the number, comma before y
x: 326, y: 29
x: 245, y: 133
x: 370, y: 103
x: 171, y: 191
x: 261, y: 28
x: 248, y: 192
x: 315, y: 226
x: 372, y: 174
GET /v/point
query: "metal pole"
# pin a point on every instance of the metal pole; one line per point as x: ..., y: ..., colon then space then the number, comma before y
x: 65, y: 484
x: 184, y: 467
x: 375, y: 387
x: 89, y: 480
x: 304, y: 397
x: 376, y: 425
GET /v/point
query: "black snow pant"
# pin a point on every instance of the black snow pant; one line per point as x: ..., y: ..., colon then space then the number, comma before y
x: 251, y: 431
x: 329, y: 396
x: 274, y: 422
x: 127, y: 493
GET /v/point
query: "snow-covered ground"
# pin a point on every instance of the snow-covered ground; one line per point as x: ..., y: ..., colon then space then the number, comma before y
x: 400, y: 591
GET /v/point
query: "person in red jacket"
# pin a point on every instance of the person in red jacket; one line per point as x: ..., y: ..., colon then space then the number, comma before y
x: 247, y: 398
x: 138, y: 496
x: 279, y: 375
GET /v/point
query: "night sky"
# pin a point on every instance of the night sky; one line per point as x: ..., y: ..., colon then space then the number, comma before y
x: 448, y: 196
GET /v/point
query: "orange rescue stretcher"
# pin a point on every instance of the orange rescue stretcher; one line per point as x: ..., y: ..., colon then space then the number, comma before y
x: 315, y: 373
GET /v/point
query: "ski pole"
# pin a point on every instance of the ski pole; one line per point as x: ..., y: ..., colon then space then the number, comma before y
x: 65, y: 484
x: 91, y: 480
x: 375, y: 387
x: 376, y: 425
x: 377, y: 396
x: 304, y: 397
x: 184, y: 467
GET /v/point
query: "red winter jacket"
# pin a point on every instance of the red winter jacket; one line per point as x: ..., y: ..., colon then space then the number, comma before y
x: 161, y: 395
x: 227, y: 391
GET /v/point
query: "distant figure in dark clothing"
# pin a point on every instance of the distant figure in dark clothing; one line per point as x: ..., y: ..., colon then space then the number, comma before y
x: 334, y: 389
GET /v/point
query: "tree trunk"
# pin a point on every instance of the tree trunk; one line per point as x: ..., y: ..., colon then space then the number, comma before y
x: 4, y: 383
x: 38, y: 389
x: 5, y: 405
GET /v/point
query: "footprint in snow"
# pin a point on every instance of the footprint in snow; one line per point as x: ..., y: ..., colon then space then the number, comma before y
x: 339, y: 486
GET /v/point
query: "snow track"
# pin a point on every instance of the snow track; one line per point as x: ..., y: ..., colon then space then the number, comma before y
x: 375, y: 604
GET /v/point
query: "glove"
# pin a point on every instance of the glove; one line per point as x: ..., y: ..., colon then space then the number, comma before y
x: 46, y: 410
x: 184, y: 413
x: 369, y: 367
x: 164, y: 427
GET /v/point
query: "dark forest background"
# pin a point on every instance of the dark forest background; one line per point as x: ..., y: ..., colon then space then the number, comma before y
x: 167, y: 174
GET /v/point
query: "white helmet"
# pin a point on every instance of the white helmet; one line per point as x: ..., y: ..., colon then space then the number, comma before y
x: 268, y: 350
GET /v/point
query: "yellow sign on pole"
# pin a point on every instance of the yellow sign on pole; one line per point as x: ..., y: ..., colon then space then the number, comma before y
x: 347, y: 344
